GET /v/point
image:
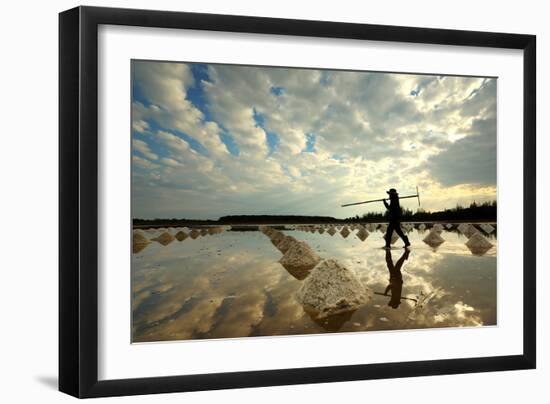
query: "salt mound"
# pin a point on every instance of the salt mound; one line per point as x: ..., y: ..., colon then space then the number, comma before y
x: 437, y: 227
x: 345, y: 232
x: 300, y: 255
x: 138, y: 231
x: 467, y: 229
x: 321, y: 230
x: 330, y: 289
x: 449, y: 226
x: 139, y: 242
x: 421, y: 226
x: 276, y: 237
x: 371, y: 227
x: 181, y: 235
x: 487, y: 228
x: 433, y: 239
x: 194, y: 234
x: 286, y: 243
x: 165, y: 238
x: 331, y: 231
x: 362, y: 234
x: 203, y: 232
x: 383, y: 227
x: 478, y: 244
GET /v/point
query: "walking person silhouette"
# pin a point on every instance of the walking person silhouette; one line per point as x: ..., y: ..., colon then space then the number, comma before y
x: 394, y: 214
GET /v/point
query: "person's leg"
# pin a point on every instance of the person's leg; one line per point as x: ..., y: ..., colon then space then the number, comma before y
x: 389, y: 232
x: 401, y: 234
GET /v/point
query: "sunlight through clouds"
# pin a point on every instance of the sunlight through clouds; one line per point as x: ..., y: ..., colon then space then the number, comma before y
x: 214, y: 140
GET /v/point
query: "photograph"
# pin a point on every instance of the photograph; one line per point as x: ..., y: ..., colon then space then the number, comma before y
x: 272, y: 201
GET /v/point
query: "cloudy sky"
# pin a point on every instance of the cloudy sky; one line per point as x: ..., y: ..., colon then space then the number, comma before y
x: 214, y: 140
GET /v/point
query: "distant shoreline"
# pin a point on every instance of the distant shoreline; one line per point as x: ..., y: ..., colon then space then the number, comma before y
x: 203, y: 223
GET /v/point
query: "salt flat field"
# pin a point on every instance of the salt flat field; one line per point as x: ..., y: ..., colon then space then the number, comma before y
x: 215, y: 282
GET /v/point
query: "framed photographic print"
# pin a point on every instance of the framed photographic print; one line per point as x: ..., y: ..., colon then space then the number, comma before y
x: 250, y: 201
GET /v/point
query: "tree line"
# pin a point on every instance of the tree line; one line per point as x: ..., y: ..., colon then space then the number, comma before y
x: 486, y: 211
x: 483, y: 212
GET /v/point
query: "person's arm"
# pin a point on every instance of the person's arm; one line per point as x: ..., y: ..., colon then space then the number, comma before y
x: 386, y: 204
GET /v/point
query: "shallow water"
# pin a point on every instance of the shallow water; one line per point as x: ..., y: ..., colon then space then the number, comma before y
x: 231, y: 285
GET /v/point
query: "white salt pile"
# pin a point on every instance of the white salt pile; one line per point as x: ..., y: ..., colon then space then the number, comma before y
x: 478, y: 244
x: 138, y: 231
x: 139, y: 242
x: 300, y: 255
x: 487, y: 228
x: 449, y: 226
x: 194, y: 234
x: 269, y: 231
x: 421, y: 226
x: 165, y: 238
x: 321, y: 230
x: 433, y: 239
x: 181, y: 235
x: 437, y: 227
x: 330, y: 289
x: 345, y: 232
x: 285, y: 244
x: 383, y: 227
x: 362, y: 234
x: 331, y: 231
x: 203, y: 232
x: 467, y: 229
x: 276, y: 237
x: 371, y: 227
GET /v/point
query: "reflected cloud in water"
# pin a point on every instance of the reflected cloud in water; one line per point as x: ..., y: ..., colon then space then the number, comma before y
x: 231, y: 285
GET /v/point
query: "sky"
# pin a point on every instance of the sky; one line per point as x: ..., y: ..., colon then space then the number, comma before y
x: 212, y: 140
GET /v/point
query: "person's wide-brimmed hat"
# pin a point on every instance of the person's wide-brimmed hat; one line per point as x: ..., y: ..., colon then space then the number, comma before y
x: 392, y: 191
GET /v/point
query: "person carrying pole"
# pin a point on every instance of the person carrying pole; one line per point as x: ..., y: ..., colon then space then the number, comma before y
x: 394, y: 215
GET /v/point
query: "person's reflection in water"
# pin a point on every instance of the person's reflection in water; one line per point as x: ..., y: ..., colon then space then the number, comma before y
x: 396, y: 279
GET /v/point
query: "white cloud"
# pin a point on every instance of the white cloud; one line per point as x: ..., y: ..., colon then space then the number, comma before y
x: 140, y: 126
x: 370, y: 134
x: 143, y: 163
x: 144, y: 149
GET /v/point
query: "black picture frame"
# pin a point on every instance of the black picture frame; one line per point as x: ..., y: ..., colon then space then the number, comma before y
x: 78, y: 200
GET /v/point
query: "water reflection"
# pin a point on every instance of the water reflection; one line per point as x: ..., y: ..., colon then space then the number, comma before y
x: 395, y: 285
x: 332, y: 323
x: 232, y: 285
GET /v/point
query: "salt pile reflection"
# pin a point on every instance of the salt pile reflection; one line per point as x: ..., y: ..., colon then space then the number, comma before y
x: 230, y: 284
